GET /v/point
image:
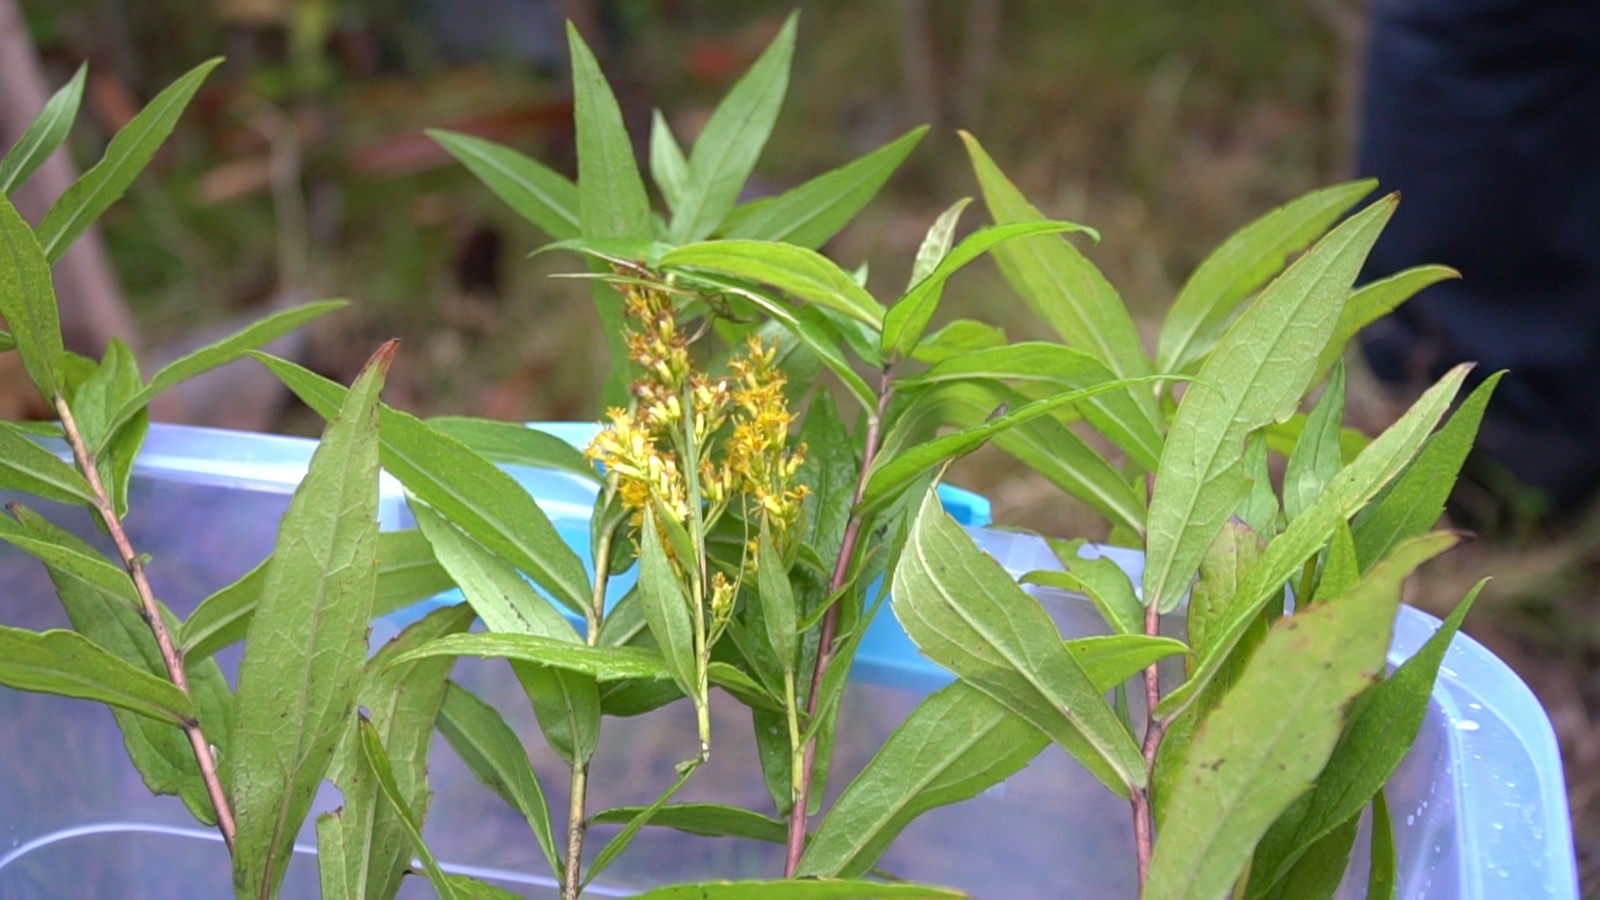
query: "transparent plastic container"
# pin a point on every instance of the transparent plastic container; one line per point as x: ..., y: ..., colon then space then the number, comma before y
x: 1479, y: 805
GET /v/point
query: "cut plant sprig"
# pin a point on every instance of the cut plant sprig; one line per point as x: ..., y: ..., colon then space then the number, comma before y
x: 171, y: 658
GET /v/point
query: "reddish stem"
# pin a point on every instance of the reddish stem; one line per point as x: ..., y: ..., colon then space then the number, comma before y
x: 1144, y: 836
x: 830, y: 628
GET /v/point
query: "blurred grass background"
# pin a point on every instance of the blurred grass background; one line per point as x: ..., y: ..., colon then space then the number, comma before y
x: 302, y: 171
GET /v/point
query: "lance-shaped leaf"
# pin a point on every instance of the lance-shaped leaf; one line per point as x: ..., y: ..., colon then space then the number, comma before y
x: 496, y: 758
x: 470, y: 491
x: 73, y: 558
x: 731, y: 141
x: 1259, y: 372
x: 407, y: 573
x: 810, y: 214
x: 601, y: 663
x: 1382, y: 878
x: 257, y: 334
x: 1376, y: 300
x: 1115, y: 415
x: 1241, y: 265
x: 611, y: 198
x: 535, y: 191
x: 377, y: 763
x: 1316, y: 457
x: 665, y: 606
x: 893, y: 474
x: 69, y: 664
x: 705, y: 819
x: 957, y: 743
x: 1271, y: 734
x: 44, y: 134
x: 778, y: 614
x: 1101, y: 580
x: 100, y: 602
x: 1357, y: 483
x: 26, y: 466
x: 964, y: 612
x: 307, y: 643
x: 1382, y: 728
x: 803, y: 273
x: 1317, y: 872
x: 1416, y: 500
x: 28, y: 302
x: 1058, y: 283
x: 400, y: 703
x: 125, y: 157
x: 514, y: 444
x: 668, y: 167
x: 936, y: 243
x: 807, y: 889
x: 1049, y: 448
x: 904, y: 324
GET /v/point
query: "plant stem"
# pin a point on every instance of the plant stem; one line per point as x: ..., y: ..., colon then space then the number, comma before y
x: 830, y: 627
x: 572, y: 874
x: 1144, y: 836
x: 171, y: 657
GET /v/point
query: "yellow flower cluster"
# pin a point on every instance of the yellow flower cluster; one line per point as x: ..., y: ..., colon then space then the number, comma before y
x: 644, y: 448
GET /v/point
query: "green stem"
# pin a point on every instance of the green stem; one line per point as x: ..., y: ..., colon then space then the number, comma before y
x: 796, y: 745
x: 572, y: 875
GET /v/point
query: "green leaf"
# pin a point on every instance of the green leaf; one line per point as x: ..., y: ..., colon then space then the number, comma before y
x: 892, y: 475
x: 1317, y: 873
x: 307, y: 643
x: 1376, y: 300
x: 536, y: 192
x: 44, y: 134
x: 1382, y: 728
x: 28, y: 303
x: 401, y: 703
x: 1241, y: 265
x: 1340, y: 570
x: 964, y: 612
x: 731, y: 141
x: 1116, y: 415
x: 467, y: 489
x: 1061, y: 286
x: 125, y: 156
x: 1260, y: 507
x: 378, y: 762
x: 1260, y: 370
x: 954, y: 745
x: 904, y: 324
x: 808, y: 215
x: 959, y: 337
x: 1272, y: 733
x: 407, y: 573
x: 1382, y: 877
x: 936, y: 243
x: 1101, y: 580
x: 616, y: 845
x: 800, y: 890
x: 1316, y: 457
x: 1050, y: 449
x: 705, y: 819
x: 611, y: 199
x: 496, y: 757
x: 803, y: 273
x: 1416, y: 500
x: 1357, y: 483
x: 1228, y: 561
x: 26, y: 466
x: 668, y: 168
x: 74, y: 558
x: 69, y: 664
x: 468, y: 888
x: 493, y: 587
x: 777, y: 599
x: 7, y: 341
x: 666, y: 608
x: 601, y: 663
x: 1111, y: 659
x: 257, y: 334
x: 104, y: 609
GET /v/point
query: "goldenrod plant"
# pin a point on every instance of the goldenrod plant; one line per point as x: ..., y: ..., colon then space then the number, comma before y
x: 767, y: 465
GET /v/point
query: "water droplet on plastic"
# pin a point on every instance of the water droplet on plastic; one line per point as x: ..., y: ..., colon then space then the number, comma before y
x: 1466, y: 725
